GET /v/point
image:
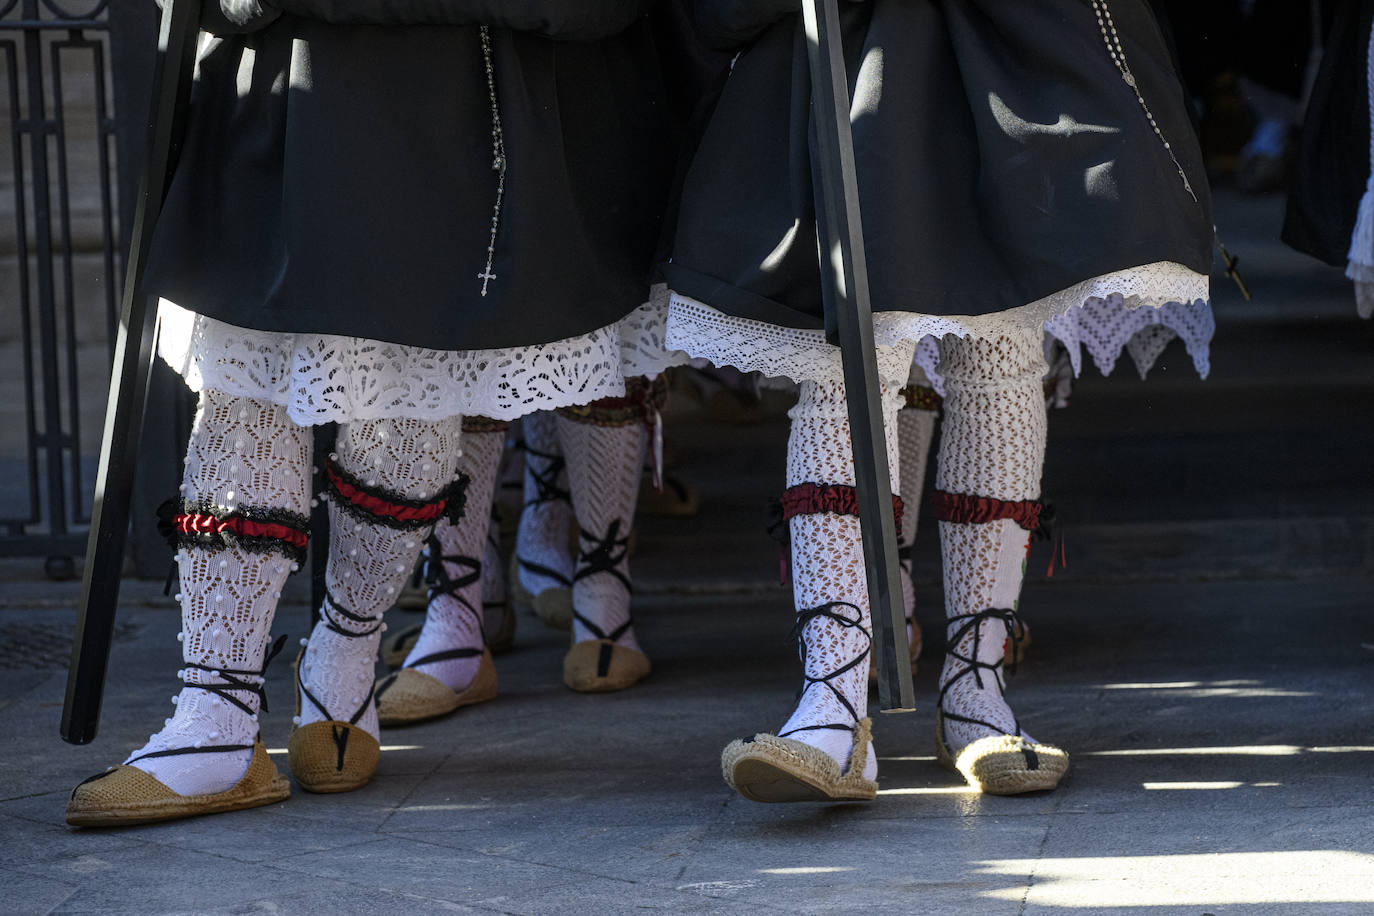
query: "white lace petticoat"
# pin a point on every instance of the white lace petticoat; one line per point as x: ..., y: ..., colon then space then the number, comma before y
x: 323, y: 378
x: 1138, y: 310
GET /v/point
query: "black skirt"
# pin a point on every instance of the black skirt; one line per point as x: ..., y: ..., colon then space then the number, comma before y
x: 339, y: 179
x: 1002, y: 156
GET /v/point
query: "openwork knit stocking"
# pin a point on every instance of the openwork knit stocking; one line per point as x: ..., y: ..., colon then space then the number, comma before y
x: 369, y: 560
x: 828, y: 570
x: 542, y: 540
x: 915, y: 431
x: 246, y: 461
x: 604, y: 467
x: 453, y: 619
x: 992, y: 451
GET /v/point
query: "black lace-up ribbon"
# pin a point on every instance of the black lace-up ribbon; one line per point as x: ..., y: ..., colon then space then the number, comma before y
x: 973, y: 665
x: 798, y: 633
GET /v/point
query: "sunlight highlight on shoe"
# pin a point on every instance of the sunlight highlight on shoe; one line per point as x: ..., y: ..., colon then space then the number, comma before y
x: 385, y: 748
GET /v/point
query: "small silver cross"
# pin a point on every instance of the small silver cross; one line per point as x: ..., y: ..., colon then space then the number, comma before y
x: 486, y: 277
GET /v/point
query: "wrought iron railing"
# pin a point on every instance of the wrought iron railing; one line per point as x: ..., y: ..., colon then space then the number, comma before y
x: 61, y: 285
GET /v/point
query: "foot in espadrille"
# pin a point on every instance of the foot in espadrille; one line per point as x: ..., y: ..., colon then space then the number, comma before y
x: 126, y: 795
x: 328, y: 754
x: 766, y: 768
x: 542, y: 564
x: 976, y: 733
x: 825, y: 751
x: 605, y: 656
x: 409, y: 695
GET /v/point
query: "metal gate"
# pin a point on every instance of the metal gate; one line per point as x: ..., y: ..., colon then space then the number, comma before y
x: 67, y: 70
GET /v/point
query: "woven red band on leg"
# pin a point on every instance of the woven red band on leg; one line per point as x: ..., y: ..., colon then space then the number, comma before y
x: 978, y: 510
x: 377, y: 505
x: 835, y: 498
x: 252, y: 529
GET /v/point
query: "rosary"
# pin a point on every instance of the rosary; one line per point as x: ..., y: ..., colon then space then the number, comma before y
x: 498, y: 159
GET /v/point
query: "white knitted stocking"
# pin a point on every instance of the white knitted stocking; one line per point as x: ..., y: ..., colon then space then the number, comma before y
x: 915, y: 431
x: 454, y: 621
x: 493, y: 579
x: 547, y: 514
x: 604, y: 468
x: 369, y: 562
x: 247, y: 454
x: 828, y: 566
x: 992, y: 445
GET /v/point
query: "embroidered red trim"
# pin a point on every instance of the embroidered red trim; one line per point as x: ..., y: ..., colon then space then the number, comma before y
x: 427, y: 512
x: 836, y: 498
x: 202, y: 524
x: 978, y: 510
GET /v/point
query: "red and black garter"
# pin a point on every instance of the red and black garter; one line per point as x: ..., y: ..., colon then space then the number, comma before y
x: 374, y: 505
x: 253, y: 529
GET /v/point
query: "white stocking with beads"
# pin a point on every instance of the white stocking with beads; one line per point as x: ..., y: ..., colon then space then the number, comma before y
x: 368, y: 561
x: 604, y: 468
x: 992, y: 445
x: 247, y: 454
x: 828, y: 566
x: 454, y: 621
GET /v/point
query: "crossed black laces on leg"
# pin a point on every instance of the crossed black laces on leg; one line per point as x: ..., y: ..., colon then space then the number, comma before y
x: 230, y: 682
x: 605, y: 555
x: 799, y: 633
x: 975, y: 666
x: 331, y: 607
x: 546, y: 490
x: 441, y: 583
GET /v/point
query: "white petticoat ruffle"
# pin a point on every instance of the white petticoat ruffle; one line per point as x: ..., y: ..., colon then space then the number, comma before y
x: 324, y: 378
x: 1138, y: 310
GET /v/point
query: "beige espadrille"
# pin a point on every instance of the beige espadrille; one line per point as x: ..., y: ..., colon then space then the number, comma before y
x: 330, y: 755
x: 602, y: 666
x: 125, y: 795
x: 552, y: 605
x: 408, y: 696
x: 1003, y: 764
x: 395, y: 649
x: 766, y: 768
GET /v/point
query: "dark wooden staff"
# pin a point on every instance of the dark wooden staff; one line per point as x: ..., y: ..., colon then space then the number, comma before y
x: 844, y: 273
x: 133, y: 356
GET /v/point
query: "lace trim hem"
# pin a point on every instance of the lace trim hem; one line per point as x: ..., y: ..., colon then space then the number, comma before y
x: 1139, y: 310
x: 322, y: 378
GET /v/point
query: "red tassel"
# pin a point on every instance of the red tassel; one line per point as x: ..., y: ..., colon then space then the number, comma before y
x: 1057, y: 552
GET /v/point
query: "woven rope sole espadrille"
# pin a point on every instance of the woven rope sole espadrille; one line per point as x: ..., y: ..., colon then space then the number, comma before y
x: 395, y: 649
x: 767, y: 768
x: 125, y: 795
x: 552, y: 605
x: 1003, y: 764
x: 409, y: 695
x: 603, y: 666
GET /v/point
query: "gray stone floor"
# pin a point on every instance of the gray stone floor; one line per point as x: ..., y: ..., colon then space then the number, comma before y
x: 1221, y: 737
x: 1207, y: 659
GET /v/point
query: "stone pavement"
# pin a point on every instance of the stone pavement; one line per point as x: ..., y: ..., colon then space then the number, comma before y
x: 1207, y: 659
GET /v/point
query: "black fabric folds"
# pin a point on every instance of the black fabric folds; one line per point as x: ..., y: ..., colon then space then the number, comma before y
x: 339, y: 179
x: 1001, y: 158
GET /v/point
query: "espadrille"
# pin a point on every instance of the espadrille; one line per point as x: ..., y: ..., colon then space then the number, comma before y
x: 552, y: 605
x: 766, y: 768
x: 408, y: 696
x: 125, y: 795
x: 602, y: 666
x: 330, y: 755
x: 395, y: 649
x: 1003, y: 764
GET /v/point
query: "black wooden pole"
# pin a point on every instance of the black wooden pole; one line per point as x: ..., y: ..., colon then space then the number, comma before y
x: 844, y: 273
x: 129, y: 381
